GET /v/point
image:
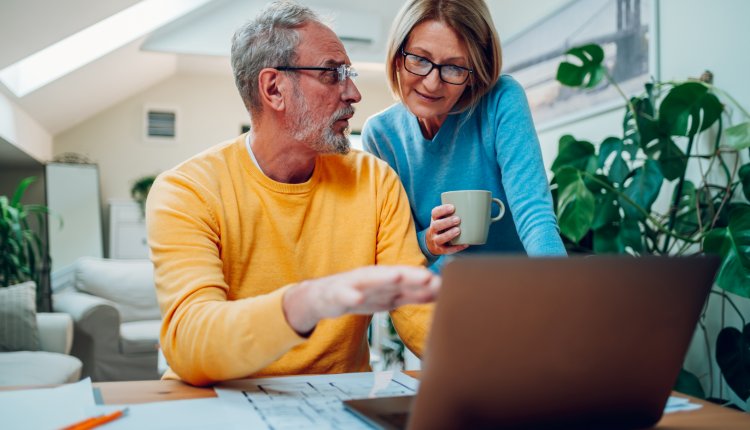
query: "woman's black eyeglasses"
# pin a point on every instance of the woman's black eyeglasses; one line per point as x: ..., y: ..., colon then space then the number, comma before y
x: 449, y: 73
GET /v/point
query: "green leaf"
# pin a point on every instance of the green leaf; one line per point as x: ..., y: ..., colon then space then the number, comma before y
x: 575, y: 209
x: 587, y: 74
x: 672, y: 160
x: 744, y: 174
x: 575, y: 153
x: 607, y: 240
x: 738, y: 136
x: 733, y: 358
x: 570, y: 75
x: 20, y: 190
x: 607, y: 147
x: 642, y: 190
x: 688, y: 109
x: 640, y: 127
x: 619, y: 170
x: 630, y: 232
x: 687, y: 214
x: 606, y: 210
x: 689, y: 384
x: 618, y: 167
x: 733, y: 245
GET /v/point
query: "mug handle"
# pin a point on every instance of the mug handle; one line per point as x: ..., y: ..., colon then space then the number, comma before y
x: 502, y: 209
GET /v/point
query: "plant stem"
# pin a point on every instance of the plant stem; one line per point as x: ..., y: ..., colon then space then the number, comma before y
x: 726, y: 298
x: 677, y: 195
x: 628, y: 102
x: 727, y: 194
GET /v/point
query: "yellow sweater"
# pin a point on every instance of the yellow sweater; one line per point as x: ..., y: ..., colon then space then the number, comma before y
x: 226, y: 242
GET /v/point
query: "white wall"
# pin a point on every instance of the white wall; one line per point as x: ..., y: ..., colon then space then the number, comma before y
x: 22, y: 131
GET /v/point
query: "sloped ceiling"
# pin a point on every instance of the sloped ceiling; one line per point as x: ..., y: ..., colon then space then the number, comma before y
x: 196, y: 43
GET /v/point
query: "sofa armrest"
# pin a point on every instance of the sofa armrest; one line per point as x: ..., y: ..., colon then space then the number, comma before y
x: 93, y: 315
x: 55, y: 332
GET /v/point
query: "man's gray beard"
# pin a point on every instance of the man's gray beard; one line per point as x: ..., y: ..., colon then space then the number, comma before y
x: 321, y: 139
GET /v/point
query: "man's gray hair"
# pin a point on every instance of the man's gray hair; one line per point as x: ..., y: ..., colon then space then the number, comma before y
x: 268, y: 40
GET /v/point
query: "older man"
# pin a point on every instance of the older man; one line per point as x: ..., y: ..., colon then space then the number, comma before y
x: 272, y: 250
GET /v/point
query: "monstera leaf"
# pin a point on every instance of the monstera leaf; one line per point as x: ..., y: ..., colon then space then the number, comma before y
x: 733, y: 245
x: 733, y: 358
x: 687, y: 214
x: 575, y: 203
x: 738, y: 136
x: 643, y: 190
x: 587, y: 74
x: 575, y: 153
x: 618, y: 167
x: 745, y: 179
x: 688, y: 109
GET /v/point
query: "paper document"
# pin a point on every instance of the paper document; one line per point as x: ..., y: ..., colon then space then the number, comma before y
x: 312, y: 402
x: 675, y: 404
x: 46, y: 408
x: 191, y: 414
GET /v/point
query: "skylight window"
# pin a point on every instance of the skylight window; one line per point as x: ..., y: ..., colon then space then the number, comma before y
x: 87, y: 45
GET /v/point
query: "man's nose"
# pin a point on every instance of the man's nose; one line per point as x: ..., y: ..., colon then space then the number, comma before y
x: 351, y: 93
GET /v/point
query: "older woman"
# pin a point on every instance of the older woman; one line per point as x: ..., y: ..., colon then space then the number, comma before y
x: 460, y: 125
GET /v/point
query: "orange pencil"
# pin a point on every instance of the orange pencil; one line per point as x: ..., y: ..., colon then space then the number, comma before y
x: 96, y: 421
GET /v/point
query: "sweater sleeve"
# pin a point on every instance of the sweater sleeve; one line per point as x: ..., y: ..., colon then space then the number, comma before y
x: 397, y: 245
x: 524, y: 179
x: 205, y: 337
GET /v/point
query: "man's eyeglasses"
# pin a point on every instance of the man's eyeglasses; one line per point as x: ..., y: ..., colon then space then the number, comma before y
x: 336, y: 74
x: 449, y: 73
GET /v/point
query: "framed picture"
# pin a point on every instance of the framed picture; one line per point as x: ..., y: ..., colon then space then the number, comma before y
x: 624, y: 29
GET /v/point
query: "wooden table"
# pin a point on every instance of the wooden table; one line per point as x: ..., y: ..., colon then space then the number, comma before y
x: 710, y: 416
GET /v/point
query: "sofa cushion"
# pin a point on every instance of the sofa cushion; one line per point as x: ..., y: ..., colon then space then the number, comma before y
x: 38, y: 368
x: 139, y: 336
x: 18, y: 327
x: 129, y: 284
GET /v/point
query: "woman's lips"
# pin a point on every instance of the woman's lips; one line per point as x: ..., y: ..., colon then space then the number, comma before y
x: 426, y: 97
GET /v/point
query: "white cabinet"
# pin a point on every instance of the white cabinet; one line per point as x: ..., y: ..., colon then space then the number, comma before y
x: 127, y: 230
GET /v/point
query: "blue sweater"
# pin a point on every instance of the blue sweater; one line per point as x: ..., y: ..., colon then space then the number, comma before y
x: 494, y: 148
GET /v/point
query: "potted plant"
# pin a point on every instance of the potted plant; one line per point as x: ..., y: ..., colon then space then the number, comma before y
x: 23, y: 254
x: 684, y: 138
x: 139, y: 191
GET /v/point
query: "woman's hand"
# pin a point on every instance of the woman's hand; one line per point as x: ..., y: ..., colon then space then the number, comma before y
x: 443, y: 228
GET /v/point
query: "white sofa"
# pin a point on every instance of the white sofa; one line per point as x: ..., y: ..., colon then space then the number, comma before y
x: 51, y: 364
x: 117, y: 319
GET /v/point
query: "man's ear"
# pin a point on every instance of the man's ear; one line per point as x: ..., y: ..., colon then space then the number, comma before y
x: 271, y: 89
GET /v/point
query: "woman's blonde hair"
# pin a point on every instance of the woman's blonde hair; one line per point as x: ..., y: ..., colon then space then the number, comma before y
x: 471, y: 20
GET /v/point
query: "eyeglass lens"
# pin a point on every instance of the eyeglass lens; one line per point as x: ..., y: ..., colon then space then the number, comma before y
x: 448, y: 72
x: 346, y: 72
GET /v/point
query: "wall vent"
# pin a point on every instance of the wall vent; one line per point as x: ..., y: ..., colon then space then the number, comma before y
x: 160, y: 124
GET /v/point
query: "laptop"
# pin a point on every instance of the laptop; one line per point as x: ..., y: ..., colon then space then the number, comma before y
x: 580, y: 342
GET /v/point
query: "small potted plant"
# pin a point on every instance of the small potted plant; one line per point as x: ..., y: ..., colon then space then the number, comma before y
x: 139, y: 191
x: 23, y: 254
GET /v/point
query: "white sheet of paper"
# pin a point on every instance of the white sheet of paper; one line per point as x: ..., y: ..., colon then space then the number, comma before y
x: 46, y: 408
x: 191, y: 414
x: 312, y: 402
x: 675, y: 404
